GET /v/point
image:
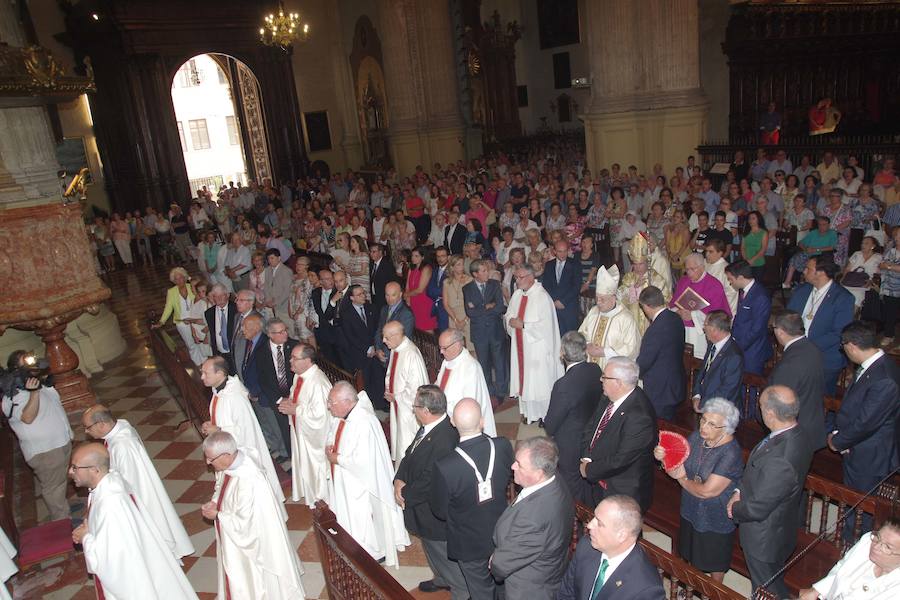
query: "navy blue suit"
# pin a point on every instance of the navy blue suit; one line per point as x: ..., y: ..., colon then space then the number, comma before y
x: 751, y: 327
x: 661, y: 360
x: 833, y: 314
x: 435, y: 291
x: 635, y: 579
x: 488, y: 333
x: 566, y: 289
x: 249, y: 372
x: 722, y: 379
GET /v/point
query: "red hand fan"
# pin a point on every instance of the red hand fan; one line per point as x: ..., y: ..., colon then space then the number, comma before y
x: 676, y: 447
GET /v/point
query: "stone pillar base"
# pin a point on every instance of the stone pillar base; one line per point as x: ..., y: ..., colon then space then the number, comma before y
x: 426, y: 147
x: 644, y: 137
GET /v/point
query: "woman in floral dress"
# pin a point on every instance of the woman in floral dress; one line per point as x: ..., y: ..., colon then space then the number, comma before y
x: 841, y: 217
x: 300, y: 307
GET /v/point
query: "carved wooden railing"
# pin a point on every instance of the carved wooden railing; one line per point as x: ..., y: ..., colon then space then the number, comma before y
x: 7, y: 492
x: 350, y: 572
x: 431, y: 353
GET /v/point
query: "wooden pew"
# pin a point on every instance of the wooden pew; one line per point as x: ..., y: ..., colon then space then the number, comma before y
x: 350, y: 572
x: 431, y: 352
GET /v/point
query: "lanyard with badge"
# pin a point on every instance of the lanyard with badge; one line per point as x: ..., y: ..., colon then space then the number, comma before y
x: 485, y: 494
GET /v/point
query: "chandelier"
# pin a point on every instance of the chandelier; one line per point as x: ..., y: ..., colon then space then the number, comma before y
x: 283, y: 29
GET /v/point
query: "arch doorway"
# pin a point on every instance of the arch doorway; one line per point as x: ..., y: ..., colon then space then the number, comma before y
x: 220, y: 123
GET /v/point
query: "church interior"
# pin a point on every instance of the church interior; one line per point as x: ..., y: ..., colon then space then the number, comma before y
x: 123, y: 108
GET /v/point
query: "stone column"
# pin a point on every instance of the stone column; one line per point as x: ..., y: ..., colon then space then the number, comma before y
x: 646, y: 102
x: 425, y: 125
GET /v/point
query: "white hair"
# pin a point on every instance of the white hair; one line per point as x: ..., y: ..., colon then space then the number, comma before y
x: 220, y: 442
x: 721, y: 406
x: 625, y: 369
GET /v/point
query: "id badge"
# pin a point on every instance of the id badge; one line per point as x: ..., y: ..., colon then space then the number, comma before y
x: 484, y: 492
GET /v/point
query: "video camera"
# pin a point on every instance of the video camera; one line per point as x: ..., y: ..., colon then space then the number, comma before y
x: 12, y: 381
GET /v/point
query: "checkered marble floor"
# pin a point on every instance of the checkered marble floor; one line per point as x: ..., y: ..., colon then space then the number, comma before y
x: 134, y: 390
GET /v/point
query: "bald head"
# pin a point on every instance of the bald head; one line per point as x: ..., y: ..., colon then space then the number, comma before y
x: 251, y: 326
x: 467, y: 417
x: 90, y: 464
x: 393, y: 293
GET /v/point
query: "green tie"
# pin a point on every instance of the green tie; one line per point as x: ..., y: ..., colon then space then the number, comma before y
x: 600, y: 579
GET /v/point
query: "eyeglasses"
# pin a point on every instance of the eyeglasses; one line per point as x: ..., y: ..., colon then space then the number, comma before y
x: 607, y: 378
x: 278, y: 332
x: 884, y: 548
x: 210, y: 461
x: 76, y: 467
x: 708, y: 423
x: 448, y: 345
x: 418, y: 406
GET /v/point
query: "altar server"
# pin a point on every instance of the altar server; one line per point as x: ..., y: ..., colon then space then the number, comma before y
x: 406, y: 372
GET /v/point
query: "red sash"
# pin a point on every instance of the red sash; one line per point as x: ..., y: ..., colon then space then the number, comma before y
x: 520, y: 344
x: 444, y: 379
x: 391, y: 379
x: 212, y: 410
x: 294, y: 399
x: 337, y: 441
x: 225, y: 480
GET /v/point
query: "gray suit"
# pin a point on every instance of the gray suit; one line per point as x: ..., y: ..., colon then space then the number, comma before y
x: 278, y: 290
x: 532, y: 540
x: 239, y: 342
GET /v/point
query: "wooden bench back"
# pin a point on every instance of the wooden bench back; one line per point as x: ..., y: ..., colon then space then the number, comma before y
x: 431, y: 352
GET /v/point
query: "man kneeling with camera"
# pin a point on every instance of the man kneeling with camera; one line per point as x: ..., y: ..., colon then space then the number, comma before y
x: 36, y: 415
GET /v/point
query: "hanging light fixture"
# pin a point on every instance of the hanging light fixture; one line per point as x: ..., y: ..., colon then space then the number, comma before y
x: 283, y: 29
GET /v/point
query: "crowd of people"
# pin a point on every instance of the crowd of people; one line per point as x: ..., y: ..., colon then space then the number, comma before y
x: 570, y: 293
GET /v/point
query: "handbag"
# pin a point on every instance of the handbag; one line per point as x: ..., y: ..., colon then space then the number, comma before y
x: 856, y: 278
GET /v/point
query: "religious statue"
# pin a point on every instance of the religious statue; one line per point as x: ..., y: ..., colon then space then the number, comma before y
x: 823, y: 117
x: 770, y: 126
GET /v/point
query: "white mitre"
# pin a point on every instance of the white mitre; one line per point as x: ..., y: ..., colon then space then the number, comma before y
x: 607, y: 280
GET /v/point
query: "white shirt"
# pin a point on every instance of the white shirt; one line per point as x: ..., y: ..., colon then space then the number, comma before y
x: 527, y: 491
x: 613, y: 563
x: 434, y: 424
x: 816, y: 297
x: 219, y: 321
x: 273, y: 348
x: 463, y: 438
x: 746, y: 289
x: 573, y: 364
x: 49, y: 430
x: 868, y: 362
x: 788, y: 344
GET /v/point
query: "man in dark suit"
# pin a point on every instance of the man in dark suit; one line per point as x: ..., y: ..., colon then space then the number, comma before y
x: 221, y: 313
x: 357, y: 334
x: 532, y: 536
x: 435, y: 439
x: 617, y: 444
x: 275, y: 378
x: 435, y: 288
x: 326, y: 332
x: 483, y: 299
x: 766, y: 507
x: 865, y: 426
x: 573, y: 400
x: 454, y: 233
x: 723, y: 365
x: 470, y: 498
x: 750, y: 328
x: 395, y: 310
x: 800, y: 369
x: 381, y: 272
x: 562, y: 280
x: 244, y: 301
x: 826, y: 308
x: 661, y: 357
x: 609, y: 562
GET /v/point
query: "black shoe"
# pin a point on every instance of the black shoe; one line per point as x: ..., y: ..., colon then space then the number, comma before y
x: 429, y: 586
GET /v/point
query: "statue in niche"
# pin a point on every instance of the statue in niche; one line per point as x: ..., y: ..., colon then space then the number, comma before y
x: 372, y: 106
x: 823, y: 117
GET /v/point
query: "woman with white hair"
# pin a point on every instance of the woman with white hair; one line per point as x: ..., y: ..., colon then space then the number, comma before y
x: 179, y: 300
x: 707, y: 479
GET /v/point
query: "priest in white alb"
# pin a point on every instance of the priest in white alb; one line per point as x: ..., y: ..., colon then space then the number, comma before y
x: 309, y: 418
x: 406, y: 372
x: 461, y: 377
x: 122, y: 547
x: 230, y: 410
x: 610, y: 329
x: 530, y: 322
x: 362, y: 477
x: 255, y: 557
x: 696, y: 295
x: 129, y: 458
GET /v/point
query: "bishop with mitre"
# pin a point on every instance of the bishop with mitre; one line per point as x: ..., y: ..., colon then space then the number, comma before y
x: 530, y: 321
x: 461, y: 377
x: 309, y: 418
x: 122, y: 547
x: 129, y: 458
x: 609, y: 329
x: 254, y: 555
x: 362, y: 477
x: 642, y: 275
x: 406, y: 372
x: 696, y: 295
x: 230, y: 410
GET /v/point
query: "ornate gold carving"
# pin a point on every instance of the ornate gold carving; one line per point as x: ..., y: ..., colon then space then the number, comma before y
x: 255, y: 119
x: 32, y: 71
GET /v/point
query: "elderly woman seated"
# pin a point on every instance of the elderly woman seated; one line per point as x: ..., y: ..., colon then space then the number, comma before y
x: 707, y: 480
x: 870, y: 569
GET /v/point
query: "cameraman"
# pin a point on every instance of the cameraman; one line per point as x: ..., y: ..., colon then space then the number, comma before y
x: 39, y: 420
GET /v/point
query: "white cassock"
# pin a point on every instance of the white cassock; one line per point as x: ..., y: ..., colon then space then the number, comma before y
x: 8, y: 567
x: 615, y: 331
x: 466, y: 380
x: 254, y: 555
x: 125, y: 552
x: 405, y: 373
x: 717, y: 270
x: 230, y: 411
x: 129, y: 458
x: 661, y: 265
x: 362, y: 486
x: 309, y: 430
x: 534, y: 350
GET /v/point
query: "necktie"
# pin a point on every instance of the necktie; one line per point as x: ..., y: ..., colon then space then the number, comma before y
x: 282, y: 372
x: 740, y: 295
x: 362, y: 315
x: 600, y: 579
x: 326, y: 296
x: 419, y: 435
x: 857, y: 373
x: 237, y: 328
x: 481, y: 288
x: 710, y: 356
x: 247, y: 353
x: 559, y: 269
x: 604, y: 421
x: 223, y: 331
x: 762, y: 443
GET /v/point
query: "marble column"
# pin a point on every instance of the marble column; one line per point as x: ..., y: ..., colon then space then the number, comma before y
x: 425, y: 125
x: 646, y: 105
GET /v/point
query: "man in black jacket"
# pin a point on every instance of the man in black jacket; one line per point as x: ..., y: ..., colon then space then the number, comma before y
x: 435, y: 439
x: 483, y: 299
x: 274, y: 376
x: 357, y: 335
x: 766, y: 507
x: 222, y: 312
x: 326, y: 332
x: 661, y: 357
x: 573, y: 400
x: 800, y: 369
x: 470, y: 496
x: 617, y: 444
x: 381, y: 272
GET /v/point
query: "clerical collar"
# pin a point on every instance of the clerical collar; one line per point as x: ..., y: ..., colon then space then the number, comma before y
x: 115, y: 429
x: 238, y: 460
